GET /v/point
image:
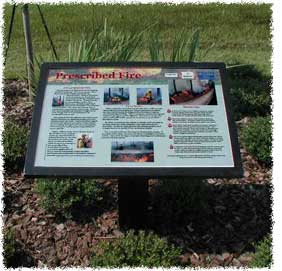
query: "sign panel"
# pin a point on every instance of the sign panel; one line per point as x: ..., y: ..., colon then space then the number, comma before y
x: 143, y: 119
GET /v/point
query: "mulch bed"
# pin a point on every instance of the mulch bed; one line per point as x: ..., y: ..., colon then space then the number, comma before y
x: 239, y: 213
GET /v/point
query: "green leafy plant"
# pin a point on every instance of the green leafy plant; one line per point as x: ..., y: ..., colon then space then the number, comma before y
x: 15, y: 138
x: 257, y: 138
x: 140, y: 249
x: 69, y: 197
x: 263, y: 254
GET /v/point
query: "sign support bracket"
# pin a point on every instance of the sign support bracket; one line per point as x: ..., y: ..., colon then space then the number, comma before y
x: 133, y: 197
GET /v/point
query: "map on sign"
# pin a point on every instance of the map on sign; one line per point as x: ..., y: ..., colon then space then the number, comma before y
x: 104, y: 119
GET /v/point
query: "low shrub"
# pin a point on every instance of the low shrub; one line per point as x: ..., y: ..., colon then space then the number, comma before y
x: 263, y: 254
x: 250, y: 92
x: 140, y: 249
x: 13, y: 254
x: 9, y: 249
x: 69, y: 197
x: 257, y: 138
x: 181, y: 200
x: 15, y: 138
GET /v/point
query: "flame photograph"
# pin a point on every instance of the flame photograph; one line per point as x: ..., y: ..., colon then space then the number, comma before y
x: 132, y: 151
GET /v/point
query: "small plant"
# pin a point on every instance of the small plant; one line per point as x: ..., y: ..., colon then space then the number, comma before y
x: 15, y: 138
x: 257, y: 138
x: 140, y: 249
x: 69, y: 197
x: 263, y: 254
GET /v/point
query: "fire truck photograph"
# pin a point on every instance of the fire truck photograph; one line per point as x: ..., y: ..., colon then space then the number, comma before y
x: 192, y: 92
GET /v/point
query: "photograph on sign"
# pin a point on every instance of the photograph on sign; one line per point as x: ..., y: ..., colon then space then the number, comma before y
x: 132, y: 151
x: 116, y: 96
x: 149, y: 96
x: 133, y: 116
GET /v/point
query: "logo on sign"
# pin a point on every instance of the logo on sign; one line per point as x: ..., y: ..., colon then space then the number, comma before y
x: 171, y: 74
x: 187, y: 75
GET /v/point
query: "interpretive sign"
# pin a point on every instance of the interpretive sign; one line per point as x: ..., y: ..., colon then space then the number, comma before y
x: 133, y: 119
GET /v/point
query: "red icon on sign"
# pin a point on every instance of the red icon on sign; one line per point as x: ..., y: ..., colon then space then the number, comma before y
x: 170, y: 137
x: 171, y: 147
x: 168, y: 111
x: 169, y: 118
x: 169, y: 125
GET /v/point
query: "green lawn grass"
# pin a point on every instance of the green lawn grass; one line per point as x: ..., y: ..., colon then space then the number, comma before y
x: 241, y: 33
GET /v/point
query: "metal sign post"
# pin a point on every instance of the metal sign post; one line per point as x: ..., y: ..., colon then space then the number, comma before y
x: 133, y: 197
x: 29, y: 49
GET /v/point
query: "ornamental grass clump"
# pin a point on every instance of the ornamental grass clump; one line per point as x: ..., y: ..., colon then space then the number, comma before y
x: 184, y: 47
x: 136, y: 249
x: 106, y: 45
x: 102, y: 45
